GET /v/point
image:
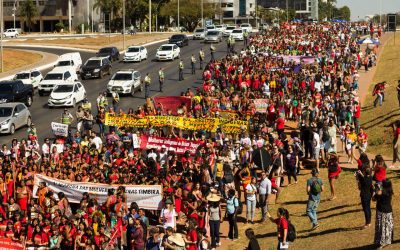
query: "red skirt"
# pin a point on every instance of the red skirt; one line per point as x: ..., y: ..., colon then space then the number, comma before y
x: 23, y: 203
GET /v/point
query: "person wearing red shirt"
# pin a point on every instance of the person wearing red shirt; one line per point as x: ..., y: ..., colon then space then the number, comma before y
x: 333, y: 173
x: 282, y: 226
x: 318, y: 99
x: 379, y: 169
x: 191, y: 236
x: 280, y: 125
x: 357, y: 115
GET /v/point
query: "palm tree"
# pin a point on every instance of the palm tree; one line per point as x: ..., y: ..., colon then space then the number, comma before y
x: 29, y: 11
x: 109, y: 6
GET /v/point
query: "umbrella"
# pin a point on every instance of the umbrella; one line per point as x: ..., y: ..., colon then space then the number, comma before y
x: 368, y: 41
x: 262, y: 158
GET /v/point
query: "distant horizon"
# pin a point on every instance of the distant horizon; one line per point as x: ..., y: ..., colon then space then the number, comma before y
x: 362, y: 8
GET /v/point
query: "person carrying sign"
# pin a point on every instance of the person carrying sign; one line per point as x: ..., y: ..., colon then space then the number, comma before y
x: 147, y: 82
x: 181, y: 67
x: 201, y: 58
x: 161, y: 77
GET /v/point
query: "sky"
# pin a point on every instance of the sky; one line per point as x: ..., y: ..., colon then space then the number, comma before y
x: 361, y: 8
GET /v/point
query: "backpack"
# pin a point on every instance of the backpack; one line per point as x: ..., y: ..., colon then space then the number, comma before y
x: 291, y: 235
x: 325, y: 135
x: 228, y: 175
x: 316, y: 188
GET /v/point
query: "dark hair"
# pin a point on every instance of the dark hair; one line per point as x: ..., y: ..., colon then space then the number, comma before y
x: 364, y: 159
x: 283, y: 212
x: 387, y: 187
x: 250, y: 233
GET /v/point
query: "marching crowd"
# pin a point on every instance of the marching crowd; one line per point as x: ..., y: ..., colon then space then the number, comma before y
x: 308, y: 75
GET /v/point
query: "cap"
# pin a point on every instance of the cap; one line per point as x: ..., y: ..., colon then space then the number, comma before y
x: 163, y: 146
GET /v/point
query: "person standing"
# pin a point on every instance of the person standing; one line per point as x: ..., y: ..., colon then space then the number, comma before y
x: 333, y: 173
x: 245, y: 37
x: 314, y: 188
x: 147, y: 82
x: 79, y: 118
x: 181, y: 67
x: 398, y: 91
x: 193, y: 64
x: 115, y: 99
x: 212, y: 50
x: 201, y: 58
x: 396, y: 141
x: 364, y: 179
x: 251, y: 200
x: 283, y: 227
x: 264, y: 191
x: 215, y: 218
x: 66, y: 117
x: 161, y: 77
x: 384, y: 214
x: 232, y: 205
x: 253, y: 242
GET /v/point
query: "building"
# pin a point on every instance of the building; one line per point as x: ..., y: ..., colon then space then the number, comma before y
x: 50, y: 13
x: 236, y: 11
x: 303, y: 8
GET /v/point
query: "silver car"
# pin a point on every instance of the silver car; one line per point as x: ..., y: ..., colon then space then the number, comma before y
x: 13, y: 116
x: 199, y: 33
x: 213, y: 36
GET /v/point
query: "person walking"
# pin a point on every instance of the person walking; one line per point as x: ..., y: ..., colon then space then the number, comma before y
x: 79, y: 118
x: 384, y: 214
x: 282, y: 221
x: 181, y: 67
x: 292, y: 160
x: 251, y: 200
x: 161, y: 78
x: 364, y: 180
x: 314, y: 188
x: 115, y: 100
x: 398, y: 91
x: 253, y: 242
x: 232, y: 205
x: 215, y: 218
x: 201, y: 58
x: 396, y: 142
x: 212, y: 51
x: 264, y: 191
x: 245, y: 37
x: 193, y: 64
x: 333, y: 173
x: 147, y: 82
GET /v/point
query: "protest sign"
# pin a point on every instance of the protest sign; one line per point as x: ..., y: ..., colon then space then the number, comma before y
x: 180, y: 146
x: 59, y: 129
x: 261, y: 105
x: 126, y: 121
x: 146, y: 196
x: 9, y: 244
x: 233, y: 126
x: 172, y: 103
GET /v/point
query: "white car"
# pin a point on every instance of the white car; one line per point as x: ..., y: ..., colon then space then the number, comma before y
x: 125, y: 82
x: 168, y: 52
x: 199, y: 33
x: 220, y: 27
x: 210, y: 27
x: 72, y: 60
x: 67, y: 94
x: 11, y: 33
x: 56, y: 77
x: 247, y: 27
x: 228, y: 30
x: 237, y: 34
x: 33, y: 77
x: 135, y: 54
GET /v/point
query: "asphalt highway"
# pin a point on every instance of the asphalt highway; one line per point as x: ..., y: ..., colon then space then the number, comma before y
x: 42, y: 116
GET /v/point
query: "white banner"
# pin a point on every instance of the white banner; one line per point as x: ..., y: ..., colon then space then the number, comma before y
x: 59, y: 129
x: 146, y: 196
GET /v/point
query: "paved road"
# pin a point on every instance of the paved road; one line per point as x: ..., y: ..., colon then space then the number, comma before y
x: 42, y: 116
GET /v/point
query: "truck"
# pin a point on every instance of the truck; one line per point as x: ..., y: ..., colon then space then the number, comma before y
x: 16, y: 91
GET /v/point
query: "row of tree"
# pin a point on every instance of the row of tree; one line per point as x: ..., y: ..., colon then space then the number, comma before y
x: 327, y: 10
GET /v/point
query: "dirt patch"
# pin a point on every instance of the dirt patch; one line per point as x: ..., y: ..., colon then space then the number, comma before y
x: 14, y: 59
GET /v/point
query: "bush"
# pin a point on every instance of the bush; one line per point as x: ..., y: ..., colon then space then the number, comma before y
x: 59, y: 26
x: 79, y: 28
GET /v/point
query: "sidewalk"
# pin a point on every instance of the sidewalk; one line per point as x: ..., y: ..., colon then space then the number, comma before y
x: 48, y: 60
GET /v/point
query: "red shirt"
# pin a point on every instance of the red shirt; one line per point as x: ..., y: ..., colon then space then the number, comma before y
x: 380, y: 173
x: 192, y: 235
x: 357, y: 111
x: 280, y: 123
x: 282, y: 224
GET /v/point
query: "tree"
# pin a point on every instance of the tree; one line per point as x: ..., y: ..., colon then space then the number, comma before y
x: 109, y: 6
x: 344, y: 13
x: 29, y: 11
x: 190, y: 12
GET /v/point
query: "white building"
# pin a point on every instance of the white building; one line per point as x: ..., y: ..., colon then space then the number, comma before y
x: 235, y: 11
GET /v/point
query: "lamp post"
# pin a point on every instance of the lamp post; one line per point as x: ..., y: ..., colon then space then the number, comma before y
x: 287, y: 11
x: 149, y: 16
x: 179, y: 28
x: 70, y: 16
x: 1, y: 35
x: 123, y: 24
x: 202, y: 13
x: 14, y: 9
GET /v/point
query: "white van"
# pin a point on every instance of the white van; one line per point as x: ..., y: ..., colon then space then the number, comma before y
x: 72, y: 60
x: 55, y: 77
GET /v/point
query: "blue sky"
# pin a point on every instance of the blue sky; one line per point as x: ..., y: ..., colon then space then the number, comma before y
x: 361, y: 8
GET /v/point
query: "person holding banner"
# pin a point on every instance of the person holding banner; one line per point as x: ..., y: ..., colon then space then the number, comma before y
x: 161, y: 77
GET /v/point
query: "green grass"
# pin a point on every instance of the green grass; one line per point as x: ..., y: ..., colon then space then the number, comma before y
x: 340, y: 220
x: 377, y: 121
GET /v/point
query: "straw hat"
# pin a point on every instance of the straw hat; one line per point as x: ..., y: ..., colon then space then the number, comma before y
x: 213, y: 197
x: 177, y: 239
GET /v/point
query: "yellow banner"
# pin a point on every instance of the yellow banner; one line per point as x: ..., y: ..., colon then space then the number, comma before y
x: 228, y: 126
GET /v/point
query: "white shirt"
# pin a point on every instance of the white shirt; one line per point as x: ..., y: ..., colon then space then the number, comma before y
x: 97, y: 142
x: 45, y: 148
x: 316, y: 140
x: 265, y: 186
x: 317, y: 85
x: 251, y: 187
x: 152, y: 155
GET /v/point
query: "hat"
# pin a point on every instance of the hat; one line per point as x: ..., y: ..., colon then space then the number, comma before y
x: 213, y: 197
x: 163, y: 146
x: 168, y: 201
x: 177, y: 239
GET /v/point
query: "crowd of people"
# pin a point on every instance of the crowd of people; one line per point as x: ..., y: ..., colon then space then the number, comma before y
x: 308, y: 75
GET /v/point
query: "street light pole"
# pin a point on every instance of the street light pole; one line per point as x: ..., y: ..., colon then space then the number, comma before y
x: 202, y: 13
x: 179, y: 28
x: 380, y: 12
x: 123, y: 24
x: 149, y: 16
x: 287, y: 11
x: 70, y: 16
x: 1, y: 35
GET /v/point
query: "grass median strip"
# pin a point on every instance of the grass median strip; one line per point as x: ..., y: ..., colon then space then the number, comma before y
x: 14, y: 59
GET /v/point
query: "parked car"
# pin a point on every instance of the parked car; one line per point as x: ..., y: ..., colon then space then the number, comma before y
x: 96, y: 67
x: 55, y: 77
x: 32, y: 77
x: 111, y: 52
x: 199, y: 33
x: 135, y: 54
x: 67, y: 94
x: 125, y: 82
x: 179, y: 39
x: 11, y: 33
x: 16, y: 91
x: 247, y: 27
x: 13, y: 116
x: 168, y: 52
x: 237, y: 34
x: 72, y: 60
x: 228, y: 30
x: 213, y: 36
